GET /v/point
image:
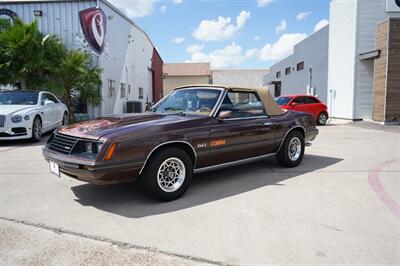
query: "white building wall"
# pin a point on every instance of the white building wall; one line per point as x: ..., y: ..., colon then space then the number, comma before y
x: 128, y: 61
x: 342, y: 54
x: 370, y: 13
x: 313, y: 51
x: 239, y: 77
x: 126, y: 57
x: 61, y: 18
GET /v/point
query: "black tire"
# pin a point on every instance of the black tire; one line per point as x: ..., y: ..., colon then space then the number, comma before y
x: 154, y: 185
x: 284, y: 156
x: 65, y: 119
x: 36, y: 129
x: 322, y: 119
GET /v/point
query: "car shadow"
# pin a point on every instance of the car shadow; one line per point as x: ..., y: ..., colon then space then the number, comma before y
x: 130, y: 201
x: 26, y: 142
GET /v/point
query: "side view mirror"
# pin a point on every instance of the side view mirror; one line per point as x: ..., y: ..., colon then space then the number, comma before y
x: 293, y: 104
x: 48, y: 102
x: 224, y: 114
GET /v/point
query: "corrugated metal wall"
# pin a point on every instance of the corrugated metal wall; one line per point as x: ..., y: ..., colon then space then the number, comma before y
x: 125, y: 60
x: 61, y: 18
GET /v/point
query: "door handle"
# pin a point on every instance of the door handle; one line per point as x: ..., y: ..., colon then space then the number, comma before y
x: 266, y: 124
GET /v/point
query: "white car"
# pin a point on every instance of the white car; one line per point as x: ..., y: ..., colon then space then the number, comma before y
x: 28, y: 114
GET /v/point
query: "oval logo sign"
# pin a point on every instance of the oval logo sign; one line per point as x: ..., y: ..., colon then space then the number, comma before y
x: 94, y: 27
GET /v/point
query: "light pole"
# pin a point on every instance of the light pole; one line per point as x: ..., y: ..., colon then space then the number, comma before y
x: 310, y: 80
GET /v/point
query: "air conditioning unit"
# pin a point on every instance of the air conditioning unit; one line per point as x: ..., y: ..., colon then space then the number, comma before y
x: 129, y: 107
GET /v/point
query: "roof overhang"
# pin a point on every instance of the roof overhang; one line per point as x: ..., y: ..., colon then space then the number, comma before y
x: 371, y: 55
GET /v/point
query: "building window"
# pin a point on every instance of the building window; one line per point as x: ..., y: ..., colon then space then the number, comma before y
x: 288, y: 70
x: 111, y: 88
x: 300, y: 66
x: 122, y: 90
x: 278, y: 75
x: 129, y: 89
x: 140, y: 93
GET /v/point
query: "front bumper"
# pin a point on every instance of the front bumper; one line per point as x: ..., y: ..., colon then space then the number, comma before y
x: 92, y: 171
x: 311, y: 134
x: 11, y: 131
x: 15, y: 133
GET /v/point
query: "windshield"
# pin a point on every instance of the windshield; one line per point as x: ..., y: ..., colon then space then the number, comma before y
x: 19, y: 97
x: 283, y: 100
x: 199, y: 101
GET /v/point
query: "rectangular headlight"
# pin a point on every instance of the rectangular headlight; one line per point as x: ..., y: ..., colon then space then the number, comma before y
x: 89, y: 147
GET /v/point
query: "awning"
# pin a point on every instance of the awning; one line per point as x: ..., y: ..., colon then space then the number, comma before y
x: 371, y: 55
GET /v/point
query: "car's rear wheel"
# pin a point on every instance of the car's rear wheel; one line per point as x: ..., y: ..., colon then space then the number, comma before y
x: 322, y: 119
x: 168, y: 174
x: 36, y: 129
x: 292, y: 150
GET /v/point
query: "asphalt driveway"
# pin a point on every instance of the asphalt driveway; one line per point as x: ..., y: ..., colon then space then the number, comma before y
x: 341, y: 205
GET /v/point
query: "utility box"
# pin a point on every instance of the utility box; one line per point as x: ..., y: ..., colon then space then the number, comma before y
x: 134, y: 107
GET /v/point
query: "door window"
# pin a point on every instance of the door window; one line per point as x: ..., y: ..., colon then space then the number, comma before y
x: 51, y: 97
x: 243, y: 104
x: 312, y: 100
x: 300, y: 100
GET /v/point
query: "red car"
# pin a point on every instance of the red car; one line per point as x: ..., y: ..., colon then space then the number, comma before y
x: 305, y: 103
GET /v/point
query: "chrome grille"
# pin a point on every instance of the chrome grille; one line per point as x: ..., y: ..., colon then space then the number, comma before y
x: 62, y: 143
x: 2, y: 120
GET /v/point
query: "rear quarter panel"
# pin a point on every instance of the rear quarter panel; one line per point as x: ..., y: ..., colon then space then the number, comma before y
x: 290, y: 120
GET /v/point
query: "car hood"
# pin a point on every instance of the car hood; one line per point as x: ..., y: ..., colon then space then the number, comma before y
x: 7, y: 109
x: 95, y: 129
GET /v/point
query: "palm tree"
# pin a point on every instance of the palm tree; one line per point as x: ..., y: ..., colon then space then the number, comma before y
x: 22, y: 55
x: 35, y: 61
x: 76, y: 76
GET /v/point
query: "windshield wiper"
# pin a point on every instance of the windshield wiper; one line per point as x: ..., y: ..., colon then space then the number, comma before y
x: 180, y: 111
x: 172, y: 109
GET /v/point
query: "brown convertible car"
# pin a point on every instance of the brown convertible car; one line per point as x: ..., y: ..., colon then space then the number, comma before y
x: 193, y: 129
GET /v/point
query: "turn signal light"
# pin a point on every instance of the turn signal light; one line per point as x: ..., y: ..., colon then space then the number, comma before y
x: 110, y: 152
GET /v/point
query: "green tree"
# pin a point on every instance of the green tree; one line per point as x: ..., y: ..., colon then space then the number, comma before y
x: 76, y: 76
x: 23, y: 57
x: 35, y: 61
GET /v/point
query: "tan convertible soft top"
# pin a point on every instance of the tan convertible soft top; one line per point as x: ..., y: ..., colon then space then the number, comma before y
x: 271, y: 107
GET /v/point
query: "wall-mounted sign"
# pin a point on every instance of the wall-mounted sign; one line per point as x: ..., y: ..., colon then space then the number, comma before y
x: 7, y: 15
x: 392, y: 5
x: 94, y: 27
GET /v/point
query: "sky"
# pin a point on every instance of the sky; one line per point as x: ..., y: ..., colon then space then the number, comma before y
x: 226, y: 33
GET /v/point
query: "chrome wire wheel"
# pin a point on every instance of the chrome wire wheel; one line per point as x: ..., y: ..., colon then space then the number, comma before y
x: 294, y: 149
x: 37, y: 128
x: 171, y: 174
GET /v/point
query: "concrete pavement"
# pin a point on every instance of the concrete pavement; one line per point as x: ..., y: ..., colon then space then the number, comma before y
x: 339, y: 206
x: 22, y: 244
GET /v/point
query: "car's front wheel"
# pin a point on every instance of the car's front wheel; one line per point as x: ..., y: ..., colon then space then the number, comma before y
x: 168, y: 174
x: 292, y: 150
x: 36, y: 129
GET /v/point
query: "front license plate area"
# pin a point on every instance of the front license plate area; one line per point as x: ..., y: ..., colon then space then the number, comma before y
x: 54, y: 169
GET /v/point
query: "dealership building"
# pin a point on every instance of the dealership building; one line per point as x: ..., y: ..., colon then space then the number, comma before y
x: 353, y: 64
x: 132, y: 67
x: 305, y: 71
x: 364, y: 60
